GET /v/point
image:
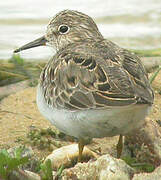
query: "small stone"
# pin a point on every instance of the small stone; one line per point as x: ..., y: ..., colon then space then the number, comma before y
x: 25, y: 175
x: 104, y: 168
x: 32, y: 175
x: 26, y: 151
x: 67, y: 155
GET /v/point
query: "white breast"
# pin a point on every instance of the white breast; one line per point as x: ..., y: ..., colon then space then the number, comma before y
x: 94, y: 123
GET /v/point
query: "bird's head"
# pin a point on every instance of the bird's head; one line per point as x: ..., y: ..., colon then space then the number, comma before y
x: 66, y: 27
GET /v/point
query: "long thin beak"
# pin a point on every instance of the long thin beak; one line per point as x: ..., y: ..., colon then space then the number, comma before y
x: 38, y: 42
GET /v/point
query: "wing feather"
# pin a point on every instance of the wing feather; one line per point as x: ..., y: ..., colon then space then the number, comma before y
x: 83, y: 80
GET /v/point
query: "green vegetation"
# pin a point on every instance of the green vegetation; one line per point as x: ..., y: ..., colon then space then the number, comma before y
x: 59, y: 172
x: 148, y: 53
x: 15, y: 161
x: 17, y: 69
x: 46, y: 169
x: 154, y: 75
x: 44, y: 138
x: 9, y: 163
x: 138, y: 166
x: 16, y: 59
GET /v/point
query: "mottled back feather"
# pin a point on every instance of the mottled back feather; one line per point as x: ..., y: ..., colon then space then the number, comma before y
x: 95, y: 74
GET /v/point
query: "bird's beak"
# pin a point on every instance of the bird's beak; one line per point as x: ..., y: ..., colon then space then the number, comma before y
x: 38, y: 42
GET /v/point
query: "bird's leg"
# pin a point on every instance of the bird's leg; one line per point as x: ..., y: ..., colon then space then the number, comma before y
x: 80, y: 147
x: 119, y: 146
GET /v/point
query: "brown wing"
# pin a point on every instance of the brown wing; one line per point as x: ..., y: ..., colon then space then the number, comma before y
x: 138, y: 76
x: 76, y: 81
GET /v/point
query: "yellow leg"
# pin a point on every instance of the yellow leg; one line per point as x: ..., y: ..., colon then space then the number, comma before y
x: 119, y: 146
x: 80, y: 147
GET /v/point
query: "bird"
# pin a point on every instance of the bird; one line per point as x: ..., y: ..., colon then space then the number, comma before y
x: 91, y: 87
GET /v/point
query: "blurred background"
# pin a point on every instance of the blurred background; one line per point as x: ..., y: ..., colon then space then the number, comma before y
x: 134, y: 24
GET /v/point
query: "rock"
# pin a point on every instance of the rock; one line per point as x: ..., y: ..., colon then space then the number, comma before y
x: 25, y: 151
x: 32, y: 175
x: 146, y: 143
x: 104, y: 168
x: 155, y: 175
x: 67, y: 155
x: 26, y: 175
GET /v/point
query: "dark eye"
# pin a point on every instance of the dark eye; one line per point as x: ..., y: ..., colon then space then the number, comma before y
x: 63, y: 29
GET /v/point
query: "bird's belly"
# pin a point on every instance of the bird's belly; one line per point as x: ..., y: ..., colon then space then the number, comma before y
x: 94, y: 123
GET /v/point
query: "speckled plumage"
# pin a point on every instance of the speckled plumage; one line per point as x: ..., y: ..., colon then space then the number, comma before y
x: 95, y: 74
x: 91, y: 87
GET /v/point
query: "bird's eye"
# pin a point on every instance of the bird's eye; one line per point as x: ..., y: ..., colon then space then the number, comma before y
x: 63, y: 29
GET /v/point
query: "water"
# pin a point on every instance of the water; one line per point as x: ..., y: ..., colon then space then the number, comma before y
x: 132, y: 24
